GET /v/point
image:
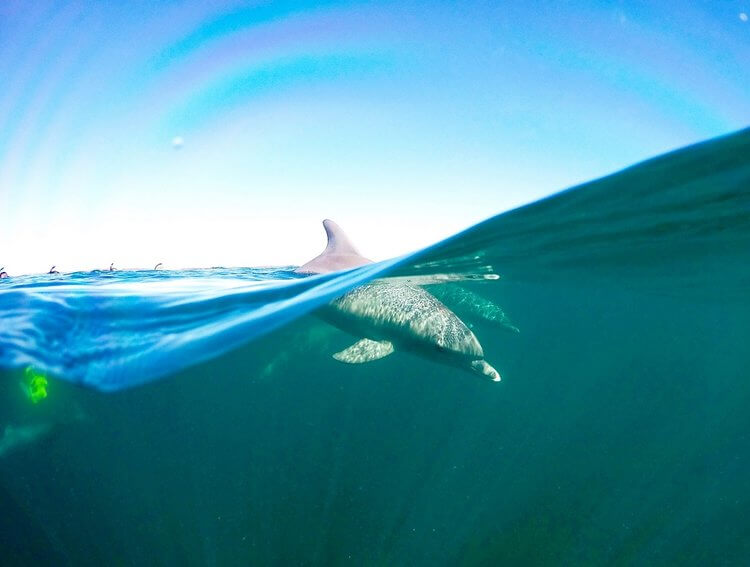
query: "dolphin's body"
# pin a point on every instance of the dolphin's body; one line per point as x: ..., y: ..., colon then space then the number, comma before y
x: 392, y: 316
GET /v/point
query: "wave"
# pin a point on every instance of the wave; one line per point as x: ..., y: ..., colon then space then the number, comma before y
x: 677, y: 225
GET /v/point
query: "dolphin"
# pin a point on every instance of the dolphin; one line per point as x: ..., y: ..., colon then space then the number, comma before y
x: 393, y: 315
x: 3, y: 273
x: 17, y: 436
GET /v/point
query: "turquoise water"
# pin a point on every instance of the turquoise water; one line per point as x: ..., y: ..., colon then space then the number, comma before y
x: 198, y: 417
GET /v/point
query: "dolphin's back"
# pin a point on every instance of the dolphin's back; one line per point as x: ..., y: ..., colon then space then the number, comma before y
x: 388, y: 309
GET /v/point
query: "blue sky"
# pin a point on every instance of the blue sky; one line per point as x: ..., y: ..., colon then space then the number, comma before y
x: 403, y: 121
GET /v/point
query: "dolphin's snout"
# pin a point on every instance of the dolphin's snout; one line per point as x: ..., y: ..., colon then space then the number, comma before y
x: 481, y: 367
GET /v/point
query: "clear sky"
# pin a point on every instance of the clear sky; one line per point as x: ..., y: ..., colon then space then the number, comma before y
x: 222, y: 133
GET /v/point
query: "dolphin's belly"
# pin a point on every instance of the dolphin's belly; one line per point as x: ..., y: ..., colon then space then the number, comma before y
x: 403, y: 314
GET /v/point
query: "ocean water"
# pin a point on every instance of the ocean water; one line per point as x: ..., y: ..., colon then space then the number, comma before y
x: 198, y: 418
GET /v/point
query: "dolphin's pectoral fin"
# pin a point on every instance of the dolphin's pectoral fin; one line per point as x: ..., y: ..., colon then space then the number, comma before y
x: 365, y: 350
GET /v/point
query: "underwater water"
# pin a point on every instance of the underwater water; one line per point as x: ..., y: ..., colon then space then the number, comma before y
x: 198, y: 418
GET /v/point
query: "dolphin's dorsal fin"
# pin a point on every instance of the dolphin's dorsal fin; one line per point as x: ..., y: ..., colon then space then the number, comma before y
x: 340, y: 253
x: 338, y: 241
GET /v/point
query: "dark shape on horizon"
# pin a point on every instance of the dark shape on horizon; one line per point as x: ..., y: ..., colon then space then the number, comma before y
x: 112, y: 267
x: 157, y: 266
x: 52, y: 270
x: 3, y: 273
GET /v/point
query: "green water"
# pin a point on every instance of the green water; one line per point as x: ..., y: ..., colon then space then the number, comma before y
x: 619, y: 434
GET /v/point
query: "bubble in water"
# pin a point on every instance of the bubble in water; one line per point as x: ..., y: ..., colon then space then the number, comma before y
x: 743, y: 16
x: 177, y: 142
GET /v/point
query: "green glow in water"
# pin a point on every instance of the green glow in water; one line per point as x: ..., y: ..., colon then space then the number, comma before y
x: 36, y: 385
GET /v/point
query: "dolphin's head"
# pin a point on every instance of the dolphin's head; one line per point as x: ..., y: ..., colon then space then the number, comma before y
x: 453, y: 337
x: 460, y: 347
x: 464, y: 346
x: 481, y: 367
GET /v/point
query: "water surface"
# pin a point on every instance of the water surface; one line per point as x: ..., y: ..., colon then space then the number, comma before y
x: 198, y: 417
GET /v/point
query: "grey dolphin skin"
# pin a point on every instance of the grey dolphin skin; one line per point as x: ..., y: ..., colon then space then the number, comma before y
x: 340, y: 253
x: 393, y: 316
